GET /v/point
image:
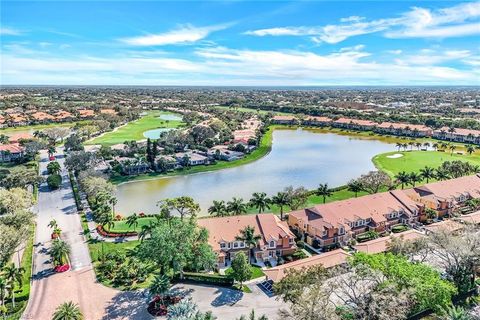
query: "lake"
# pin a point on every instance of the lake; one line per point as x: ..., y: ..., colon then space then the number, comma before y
x: 299, y: 158
x: 171, y: 117
x: 155, y: 133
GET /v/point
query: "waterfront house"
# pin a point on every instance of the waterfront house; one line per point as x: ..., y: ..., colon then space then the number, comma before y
x: 285, y: 120
x: 317, y: 121
x: 11, y: 152
x: 404, y: 129
x: 276, y: 238
x: 223, y: 153
x: 458, y: 135
x: 333, y: 224
x: 133, y: 166
x: 446, y: 196
x: 194, y: 159
x: 354, y: 124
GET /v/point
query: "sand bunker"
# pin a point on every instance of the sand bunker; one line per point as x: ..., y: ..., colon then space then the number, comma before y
x: 395, y: 156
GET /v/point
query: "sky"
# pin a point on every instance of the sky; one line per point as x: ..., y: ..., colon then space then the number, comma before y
x: 240, y: 43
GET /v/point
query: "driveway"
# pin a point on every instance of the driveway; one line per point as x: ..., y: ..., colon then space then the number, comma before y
x: 228, y: 304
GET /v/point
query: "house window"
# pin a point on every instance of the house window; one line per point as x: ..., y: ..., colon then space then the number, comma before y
x: 235, y: 244
x: 324, y: 233
x: 291, y: 240
x: 242, y: 244
x: 223, y: 245
x: 272, y: 244
x: 341, y: 230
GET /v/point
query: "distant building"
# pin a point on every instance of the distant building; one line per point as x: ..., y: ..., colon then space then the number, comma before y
x: 11, y: 152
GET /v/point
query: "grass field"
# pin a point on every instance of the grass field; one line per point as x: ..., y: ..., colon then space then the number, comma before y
x: 257, y: 272
x: 122, y: 227
x: 416, y: 160
x: 99, y: 247
x: 134, y: 130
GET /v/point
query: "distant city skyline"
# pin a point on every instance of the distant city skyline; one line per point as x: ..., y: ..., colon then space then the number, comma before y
x: 234, y: 43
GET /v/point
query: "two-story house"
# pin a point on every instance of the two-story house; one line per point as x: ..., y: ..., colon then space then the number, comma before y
x: 445, y: 196
x: 337, y: 222
x: 276, y: 239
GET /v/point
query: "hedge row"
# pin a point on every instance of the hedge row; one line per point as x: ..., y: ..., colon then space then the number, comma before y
x: 113, y: 234
x: 76, y: 193
x: 206, y: 278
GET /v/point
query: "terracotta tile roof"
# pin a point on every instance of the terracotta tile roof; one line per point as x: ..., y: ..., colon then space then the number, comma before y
x: 356, y: 121
x: 471, y: 218
x: 328, y: 260
x: 108, y: 111
x: 448, y: 225
x: 319, y: 119
x: 42, y: 116
x: 403, y: 126
x: 381, y: 244
x: 12, y: 148
x: 284, y: 118
x: 452, y: 188
x: 86, y: 113
x: 226, y: 229
x: 63, y: 114
x: 16, y: 118
x: 14, y: 138
x: 460, y: 131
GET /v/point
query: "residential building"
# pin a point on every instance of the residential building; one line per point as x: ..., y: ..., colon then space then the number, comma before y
x: 317, y: 121
x: 223, y: 153
x: 17, y: 137
x: 354, y: 124
x: 327, y: 260
x: 404, y: 129
x: 381, y: 244
x: 446, y: 196
x: 458, y: 135
x: 41, y: 117
x: 335, y: 223
x: 194, y: 159
x: 11, y: 152
x: 275, y: 237
x: 284, y: 120
x: 86, y: 113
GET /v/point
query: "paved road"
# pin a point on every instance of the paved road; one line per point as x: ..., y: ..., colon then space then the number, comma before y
x: 79, y: 285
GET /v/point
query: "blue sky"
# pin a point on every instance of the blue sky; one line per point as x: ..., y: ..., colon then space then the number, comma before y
x: 240, y: 43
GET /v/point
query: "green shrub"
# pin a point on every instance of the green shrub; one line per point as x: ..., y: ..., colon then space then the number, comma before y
x: 399, y: 228
x: 54, y: 181
x: 207, y: 278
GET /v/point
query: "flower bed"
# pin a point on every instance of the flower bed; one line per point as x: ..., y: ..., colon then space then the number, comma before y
x: 158, y: 307
x: 113, y: 234
x: 62, y: 268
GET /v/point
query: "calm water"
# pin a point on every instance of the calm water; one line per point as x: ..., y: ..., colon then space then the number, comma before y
x: 298, y: 157
x: 155, y: 133
x: 171, y: 117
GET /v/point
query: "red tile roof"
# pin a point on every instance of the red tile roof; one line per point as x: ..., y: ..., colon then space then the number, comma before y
x: 12, y: 148
x: 381, y: 244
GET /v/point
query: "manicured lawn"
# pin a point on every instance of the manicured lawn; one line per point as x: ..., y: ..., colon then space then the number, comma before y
x: 97, y: 247
x: 416, y: 160
x: 134, y: 130
x: 263, y: 149
x: 121, y: 226
x: 257, y: 272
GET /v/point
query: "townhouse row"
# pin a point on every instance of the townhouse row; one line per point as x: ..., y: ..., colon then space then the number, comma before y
x: 392, y: 128
x: 336, y: 223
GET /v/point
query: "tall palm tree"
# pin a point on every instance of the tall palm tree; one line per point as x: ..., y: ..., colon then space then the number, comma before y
x: 67, y: 311
x: 418, y: 145
x: 236, y: 206
x: 441, y: 174
x: 470, y: 149
x: 426, y: 145
x: 403, y: 178
x: 59, y: 252
x: 260, y: 201
x: 399, y: 145
x: 452, y: 148
x: 427, y: 173
x: 281, y: 200
x: 414, y: 178
x: 355, y: 186
x: 251, y: 239
x: 435, y: 146
x: 324, y: 191
x: 132, y: 221
x: 218, y: 209
x: 14, y: 276
x: 146, y: 231
x: 51, y: 150
x: 3, y: 290
x: 252, y: 316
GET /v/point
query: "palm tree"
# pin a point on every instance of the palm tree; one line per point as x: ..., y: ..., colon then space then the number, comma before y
x: 146, y: 230
x: 237, y: 206
x: 470, y: 149
x: 444, y: 146
x: 414, y: 178
x: 411, y: 144
x: 250, y: 239
x: 441, y: 174
x: 218, y: 209
x: 52, y: 224
x: 403, y: 178
x: 159, y: 286
x: 59, y: 251
x: 418, y: 145
x: 454, y: 313
x: 260, y: 201
x: 324, y: 191
x: 67, y: 311
x: 132, y: 221
x: 3, y: 290
x: 426, y: 145
x: 435, y: 146
x: 427, y: 173
x: 281, y: 200
x: 51, y: 150
x: 399, y: 145
x: 355, y: 186
x: 452, y: 148
x: 252, y: 316
x: 13, y: 275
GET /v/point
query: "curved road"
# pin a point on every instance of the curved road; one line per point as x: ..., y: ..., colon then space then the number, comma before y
x: 78, y: 285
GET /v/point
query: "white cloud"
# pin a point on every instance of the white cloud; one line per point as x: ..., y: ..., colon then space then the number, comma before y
x: 5, y: 31
x: 430, y: 57
x: 454, y: 21
x: 225, y: 66
x: 185, y: 35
